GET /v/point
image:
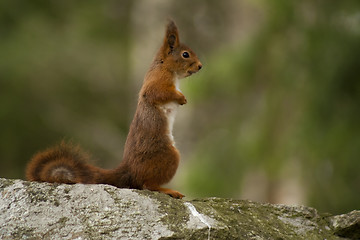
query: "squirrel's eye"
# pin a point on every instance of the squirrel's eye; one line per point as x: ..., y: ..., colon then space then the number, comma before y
x: 186, y: 55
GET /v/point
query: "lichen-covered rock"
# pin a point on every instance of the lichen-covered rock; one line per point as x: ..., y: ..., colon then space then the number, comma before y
x: 31, y: 210
x: 347, y: 225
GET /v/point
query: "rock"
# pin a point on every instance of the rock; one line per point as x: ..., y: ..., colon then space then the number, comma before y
x: 347, y: 225
x: 31, y: 210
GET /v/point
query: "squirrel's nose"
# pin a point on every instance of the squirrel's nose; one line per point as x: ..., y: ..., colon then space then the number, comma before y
x: 199, y: 66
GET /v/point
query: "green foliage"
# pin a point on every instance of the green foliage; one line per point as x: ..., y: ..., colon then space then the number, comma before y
x: 60, y: 70
x: 290, y: 93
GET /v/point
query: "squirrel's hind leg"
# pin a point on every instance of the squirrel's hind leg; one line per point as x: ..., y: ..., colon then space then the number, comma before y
x: 172, y: 193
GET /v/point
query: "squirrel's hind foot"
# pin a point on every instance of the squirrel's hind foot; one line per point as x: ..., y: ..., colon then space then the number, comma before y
x: 170, y: 192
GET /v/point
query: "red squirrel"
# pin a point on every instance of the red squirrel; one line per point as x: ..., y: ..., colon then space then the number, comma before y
x: 150, y: 157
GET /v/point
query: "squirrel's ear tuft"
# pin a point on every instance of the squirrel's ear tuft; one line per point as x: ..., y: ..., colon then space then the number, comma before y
x: 172, y: 35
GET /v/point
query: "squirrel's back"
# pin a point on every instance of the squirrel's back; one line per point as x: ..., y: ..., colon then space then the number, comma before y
x: 64, y: 163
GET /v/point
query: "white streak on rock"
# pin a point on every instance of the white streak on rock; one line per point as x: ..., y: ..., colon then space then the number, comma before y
x: 198, y: 215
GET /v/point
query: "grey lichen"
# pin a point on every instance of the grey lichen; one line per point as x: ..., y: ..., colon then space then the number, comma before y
x: 31, y: 210
x: 90, y: 211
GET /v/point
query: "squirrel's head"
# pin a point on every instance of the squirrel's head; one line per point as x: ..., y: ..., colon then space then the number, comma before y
x: 177, y: 57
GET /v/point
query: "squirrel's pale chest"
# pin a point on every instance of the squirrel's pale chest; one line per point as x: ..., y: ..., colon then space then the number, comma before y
x: 170, y: 110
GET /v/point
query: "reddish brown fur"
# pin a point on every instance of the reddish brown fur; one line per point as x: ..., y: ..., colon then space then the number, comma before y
x: 150, y: 157
x: 41, y: 165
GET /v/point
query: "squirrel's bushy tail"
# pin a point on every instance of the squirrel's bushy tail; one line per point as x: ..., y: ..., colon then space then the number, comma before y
x: 64, y: 163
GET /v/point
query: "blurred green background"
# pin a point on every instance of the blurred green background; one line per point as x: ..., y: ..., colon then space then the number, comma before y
x: 274, y: 115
